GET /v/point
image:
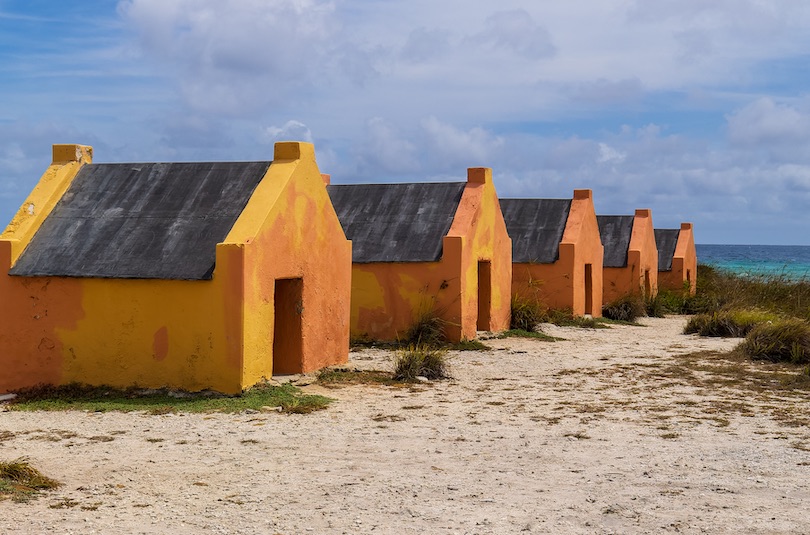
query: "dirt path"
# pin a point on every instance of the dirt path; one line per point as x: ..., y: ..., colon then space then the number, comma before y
x: 609, y: 431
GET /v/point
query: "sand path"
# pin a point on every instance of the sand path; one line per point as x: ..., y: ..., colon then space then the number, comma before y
x: 609, y: 431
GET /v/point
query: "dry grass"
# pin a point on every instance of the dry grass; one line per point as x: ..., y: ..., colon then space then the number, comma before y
x: 21, y: 482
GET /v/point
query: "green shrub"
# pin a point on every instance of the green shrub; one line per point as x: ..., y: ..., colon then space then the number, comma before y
x: 566, y: 318
x: 786, y: 340
x: 427, y: 329
x: 526, y: 313
x: 421, y: 361
x: 627, y: 308
x: 728, y: 323
x: 721, y: 290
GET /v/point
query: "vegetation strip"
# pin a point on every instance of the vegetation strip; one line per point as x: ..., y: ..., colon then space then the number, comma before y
x: 74, y: 396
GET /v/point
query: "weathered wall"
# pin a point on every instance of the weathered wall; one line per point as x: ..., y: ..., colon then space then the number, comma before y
x: 640, y: 275
x: 299, y: 237
x: 387, y: 298
x: 562, y: 284
x: 684, y: 263
x: 185, y: 334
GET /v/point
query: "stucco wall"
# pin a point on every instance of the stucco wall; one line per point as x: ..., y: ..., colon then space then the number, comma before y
x: 387, y: 298
x: 640, y: 276
x: 684, y: 263
x: 562, y: 284
x: 185, y: 334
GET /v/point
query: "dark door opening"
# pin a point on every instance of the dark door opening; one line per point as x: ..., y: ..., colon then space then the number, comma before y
x: 484, y: 295
x: 288, y: 356
x: 589, y: 289
x: 647, y: 284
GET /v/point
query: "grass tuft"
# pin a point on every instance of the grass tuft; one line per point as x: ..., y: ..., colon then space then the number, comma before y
x: 427, y: 329
x: 628, y: 308
x: 519, y: 333
x: 785, y: 340
x: 421, y: 361
x: 77, y: 396
x: 21, y: 482
x: 722, y: 290
x: 728, y: 323
x: 526, y: 313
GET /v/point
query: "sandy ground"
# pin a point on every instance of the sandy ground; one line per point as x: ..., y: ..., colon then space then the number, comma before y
x: 608, y: 431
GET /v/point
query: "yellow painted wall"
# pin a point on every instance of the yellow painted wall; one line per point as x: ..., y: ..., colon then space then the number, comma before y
x: 387, y: 298
x: 684, y: 263
x: 562, y: 285
x: 642, y: 257
x: 192, y: 335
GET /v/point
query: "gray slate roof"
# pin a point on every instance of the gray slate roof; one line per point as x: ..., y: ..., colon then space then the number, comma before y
x: 396, y: 222
x: 536, y: 227
x: 666, y: 240
x: 615, y: 231
x: 141, y: 221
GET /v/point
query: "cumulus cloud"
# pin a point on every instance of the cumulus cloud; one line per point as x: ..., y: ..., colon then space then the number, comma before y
x: 235, y: 57
x: 765, y: 123
x: 385, y: 152
x: 424, y: 44
x: 451, y: 146
x: 609, y: 91
x: 292, y: 130
x: 517, y: 32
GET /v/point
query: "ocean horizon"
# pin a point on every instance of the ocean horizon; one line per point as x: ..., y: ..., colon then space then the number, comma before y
x: 789, y: 261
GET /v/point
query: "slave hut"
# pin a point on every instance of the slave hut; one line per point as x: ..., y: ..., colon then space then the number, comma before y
x: 208, y: 275
x: 631, y: 257
x: 677, y: 258
x: 422, y: 251
x: 556, y: 252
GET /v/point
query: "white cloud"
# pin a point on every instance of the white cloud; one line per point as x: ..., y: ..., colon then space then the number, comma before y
x: 765, y: 122
x: 608, y: 154
x: 517, y: 32
x: 385, y: 152
x: 290, y: 131
x: 452, y: 147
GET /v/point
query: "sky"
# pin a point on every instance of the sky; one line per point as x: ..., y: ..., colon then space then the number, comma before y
x: 697, y: 109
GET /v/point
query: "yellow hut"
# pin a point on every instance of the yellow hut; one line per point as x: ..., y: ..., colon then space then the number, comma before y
x: 631, y: 256
x: 208, y: 275
x: 426, y: 249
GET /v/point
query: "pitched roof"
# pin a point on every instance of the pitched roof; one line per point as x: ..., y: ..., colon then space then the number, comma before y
x: 666, y: 240
x: 396, y: 222
x: 536, y: 227
x: 615, y: 231
x: 141, y: 221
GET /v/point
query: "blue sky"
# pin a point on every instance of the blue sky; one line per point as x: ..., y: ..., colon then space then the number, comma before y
x: 697, y: 109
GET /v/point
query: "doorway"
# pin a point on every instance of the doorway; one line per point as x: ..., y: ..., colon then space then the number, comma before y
x: 288, y: 355
x: 589, y: 289
x: 647, y: 284
x: 484, y: 295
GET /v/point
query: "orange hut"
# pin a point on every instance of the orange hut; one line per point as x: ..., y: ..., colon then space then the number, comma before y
x: 209, y: 275
x: 556, y: 251
x: 631, y: 256
x: 677, y: 258
x: 426, y: 249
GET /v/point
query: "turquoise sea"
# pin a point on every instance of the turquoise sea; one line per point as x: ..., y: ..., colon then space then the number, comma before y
x: 790, y: 261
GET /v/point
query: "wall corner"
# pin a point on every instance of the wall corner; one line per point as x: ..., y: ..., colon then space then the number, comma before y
x: 293, y: 150
x: 583, y: 194
x: 67, y: 153
x: 479, y: 175
x: 643, y: 212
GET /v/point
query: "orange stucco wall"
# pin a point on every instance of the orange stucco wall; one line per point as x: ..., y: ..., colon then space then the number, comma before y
x: 640, y: 276
x: 562, y: 284
x: 684, y: 263
x: 387, y: 298
x: 194, y: 335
